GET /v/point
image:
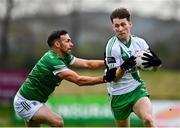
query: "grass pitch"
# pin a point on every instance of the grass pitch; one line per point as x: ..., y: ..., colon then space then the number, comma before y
x: 160, y: 84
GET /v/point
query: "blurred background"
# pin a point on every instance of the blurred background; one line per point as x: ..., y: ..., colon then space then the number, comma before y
x: 25, y: 26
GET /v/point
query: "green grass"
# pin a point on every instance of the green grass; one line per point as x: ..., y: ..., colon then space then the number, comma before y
x: 6, y: 116
x: 161, y: 85
x: 5, y: 112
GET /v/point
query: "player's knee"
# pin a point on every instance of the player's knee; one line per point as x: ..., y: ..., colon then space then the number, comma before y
x: 148, y: 120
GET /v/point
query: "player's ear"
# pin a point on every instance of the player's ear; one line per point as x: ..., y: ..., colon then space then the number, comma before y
x: 56, y: 43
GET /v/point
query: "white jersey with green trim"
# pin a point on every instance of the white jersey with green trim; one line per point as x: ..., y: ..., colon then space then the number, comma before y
x: 116, y: 53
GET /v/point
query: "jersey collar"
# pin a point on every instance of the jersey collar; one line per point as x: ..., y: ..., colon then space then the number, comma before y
x: 128, y: 43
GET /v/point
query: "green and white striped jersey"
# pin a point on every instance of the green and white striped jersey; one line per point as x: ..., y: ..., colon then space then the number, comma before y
x: 42, y: 80
x: 120, y: 52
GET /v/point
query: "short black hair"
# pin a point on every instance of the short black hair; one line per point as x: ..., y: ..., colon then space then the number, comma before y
x: 54, y: 36
x: 120, y: 13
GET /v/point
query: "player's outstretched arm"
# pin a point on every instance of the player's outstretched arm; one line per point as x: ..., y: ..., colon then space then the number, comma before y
x: 72, y: 76
x: 90, y: 64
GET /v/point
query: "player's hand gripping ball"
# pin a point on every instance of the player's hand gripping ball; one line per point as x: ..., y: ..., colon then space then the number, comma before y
x: 140, y: 61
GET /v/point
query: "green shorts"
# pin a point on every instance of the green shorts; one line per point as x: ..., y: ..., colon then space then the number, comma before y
x: 121, y: 105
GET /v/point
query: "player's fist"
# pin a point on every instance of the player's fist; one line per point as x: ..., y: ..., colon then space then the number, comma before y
x: 110, y: 75
x: 129, y: 63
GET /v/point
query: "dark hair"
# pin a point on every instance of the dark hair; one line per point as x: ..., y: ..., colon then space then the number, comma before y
x: 54, y: 36
x: 120, y: 13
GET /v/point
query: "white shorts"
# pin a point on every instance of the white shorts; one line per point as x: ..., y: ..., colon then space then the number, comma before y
x: 26, y: 108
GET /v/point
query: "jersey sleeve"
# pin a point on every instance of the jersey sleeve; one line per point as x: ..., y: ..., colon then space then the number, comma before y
x: 55, y: 64
x: 72, y: 59
x: 143, y: 44
x: 112, y: 54
x: 58, y: 66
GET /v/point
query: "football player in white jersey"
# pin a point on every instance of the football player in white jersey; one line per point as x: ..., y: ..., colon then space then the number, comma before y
x: 126, y: 89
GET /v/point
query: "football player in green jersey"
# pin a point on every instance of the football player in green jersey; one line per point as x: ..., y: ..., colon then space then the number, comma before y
x: 126, y: 89
x: 48, y: 73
